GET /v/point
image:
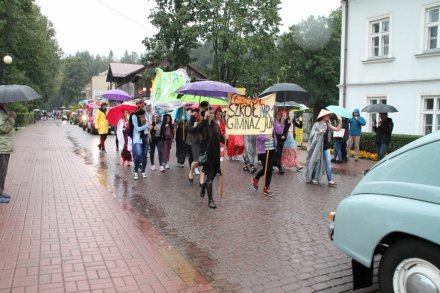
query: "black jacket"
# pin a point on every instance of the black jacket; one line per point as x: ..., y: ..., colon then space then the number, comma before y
x: 287, y: 124
x: 383, y: 132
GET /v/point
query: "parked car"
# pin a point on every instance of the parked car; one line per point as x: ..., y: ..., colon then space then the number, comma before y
x: 75, y: 117
x: 395, y: 211
x: 83, y: 119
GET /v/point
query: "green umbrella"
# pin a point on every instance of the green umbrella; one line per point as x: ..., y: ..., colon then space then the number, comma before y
x: 199, y: 99
x: 340, y: 111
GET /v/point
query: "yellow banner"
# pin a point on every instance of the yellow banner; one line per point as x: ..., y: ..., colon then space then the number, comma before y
x: 250, y: 116
x: 299, y: 136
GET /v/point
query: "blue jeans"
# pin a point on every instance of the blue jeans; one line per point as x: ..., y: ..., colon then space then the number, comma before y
x: 327, y: 164
x: 381, y: 149
x: 139, y: 157
x: 338, y: 150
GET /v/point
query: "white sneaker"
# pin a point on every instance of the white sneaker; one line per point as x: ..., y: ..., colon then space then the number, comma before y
x: 135, y: 176
x: 162, y: 169
x: 236, y: 158
x: 144, y: 175
x: 196, y: 171
x: 153, y: 168
x: 167, y: 166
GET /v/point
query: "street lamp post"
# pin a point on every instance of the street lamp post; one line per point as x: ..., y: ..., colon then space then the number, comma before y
x: 7, y: 60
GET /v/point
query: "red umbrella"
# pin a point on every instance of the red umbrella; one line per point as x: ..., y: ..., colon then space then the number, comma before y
x: 116, y: 113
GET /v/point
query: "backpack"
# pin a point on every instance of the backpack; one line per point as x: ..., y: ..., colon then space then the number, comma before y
x: 130, y: 122
x: 131, y: 129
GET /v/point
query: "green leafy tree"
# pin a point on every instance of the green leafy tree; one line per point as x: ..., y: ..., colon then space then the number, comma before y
x: 29, y: 38
x: 75, y: 74
x: 309, y: 55
x: 132, y: 58
x: 236, y: 30
x: 178, y: 32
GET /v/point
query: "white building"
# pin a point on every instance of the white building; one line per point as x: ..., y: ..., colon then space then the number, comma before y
x: 391, y: 54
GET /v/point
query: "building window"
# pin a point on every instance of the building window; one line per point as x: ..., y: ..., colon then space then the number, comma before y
x: 430, y: 114
x: 380, y: 38
x: 432, y: 28
x: 374, y: 116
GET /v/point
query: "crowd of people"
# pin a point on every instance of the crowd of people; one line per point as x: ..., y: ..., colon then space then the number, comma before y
x: 200, y: 136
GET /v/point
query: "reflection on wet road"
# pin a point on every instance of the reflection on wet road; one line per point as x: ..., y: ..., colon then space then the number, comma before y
x: 250, y: 243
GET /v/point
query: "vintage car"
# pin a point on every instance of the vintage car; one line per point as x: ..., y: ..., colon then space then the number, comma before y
x: 395, y: 211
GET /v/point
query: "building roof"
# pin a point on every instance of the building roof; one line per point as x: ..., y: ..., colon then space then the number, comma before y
x: 123, y: 69
x: 122, y: 72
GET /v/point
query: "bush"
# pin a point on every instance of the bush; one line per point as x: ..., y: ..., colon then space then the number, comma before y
x: 368, y: 141
x: 24, y: 119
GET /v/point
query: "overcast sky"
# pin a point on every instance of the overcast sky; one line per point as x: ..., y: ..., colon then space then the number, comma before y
x: 103, y: 25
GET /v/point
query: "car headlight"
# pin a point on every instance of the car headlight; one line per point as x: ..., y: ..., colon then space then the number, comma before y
x: 84, y: 117
x: 332, y: 216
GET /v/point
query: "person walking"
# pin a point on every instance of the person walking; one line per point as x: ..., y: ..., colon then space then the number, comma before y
x: 188, y: 139
x: 250, y: 153
x: 179, y: 123
x: 167, y: 137
x: 383, y: 134
x: 140, y: 124
x: 101, y: 124
x: 278, y: 125
x: 318, y: 153
x: 289, y: 157
x: 340, y: 143
x: 156, y: 142
x: 195, y: 143
x: 211, y: 137
x: 218, y: 117
x: 7, y: 122
x: 266, y: 149
x: 235, y: 147
x: 355, y: 129
x: 122, y: 135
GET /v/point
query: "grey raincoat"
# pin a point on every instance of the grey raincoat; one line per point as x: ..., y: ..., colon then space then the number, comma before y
x: 315, y: 153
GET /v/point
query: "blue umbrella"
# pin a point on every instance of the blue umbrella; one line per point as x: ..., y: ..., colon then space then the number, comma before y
x: 340, y: 111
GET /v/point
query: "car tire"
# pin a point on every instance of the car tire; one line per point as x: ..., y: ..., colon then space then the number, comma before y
x: 408, y: 261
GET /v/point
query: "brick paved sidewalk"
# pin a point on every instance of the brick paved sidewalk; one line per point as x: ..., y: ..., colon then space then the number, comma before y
x: 64, y: 232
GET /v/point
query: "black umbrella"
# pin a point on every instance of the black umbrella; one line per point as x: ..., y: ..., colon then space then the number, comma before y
x: 286, y: 92
x: 17, y: 93
x: 379, y: 108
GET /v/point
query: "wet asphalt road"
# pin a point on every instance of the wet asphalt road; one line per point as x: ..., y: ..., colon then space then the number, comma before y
x: 250, y: 243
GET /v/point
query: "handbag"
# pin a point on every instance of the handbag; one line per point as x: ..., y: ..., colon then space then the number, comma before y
x: 339, y: 133
x: 203, y: 157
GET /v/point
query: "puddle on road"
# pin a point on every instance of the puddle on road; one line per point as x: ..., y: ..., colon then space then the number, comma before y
x: 141, y: 210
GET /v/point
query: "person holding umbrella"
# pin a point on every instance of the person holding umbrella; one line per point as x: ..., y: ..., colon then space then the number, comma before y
x: 210, y: 139
x: 7, y: 122
x: 123, y: 137
x: 101, y: 125
x: 383, y: 133
x: 318, y: 152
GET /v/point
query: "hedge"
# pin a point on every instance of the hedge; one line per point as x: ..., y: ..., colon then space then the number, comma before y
x: 24, y: 119
x: 368, y: 141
